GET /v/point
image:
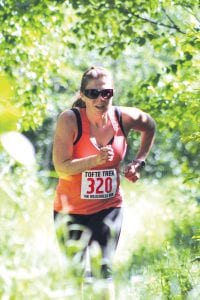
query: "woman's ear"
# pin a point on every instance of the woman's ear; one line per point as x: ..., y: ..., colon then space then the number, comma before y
x: 82, y: 96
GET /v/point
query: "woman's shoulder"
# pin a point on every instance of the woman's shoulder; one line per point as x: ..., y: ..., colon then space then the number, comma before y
x: 133, y: 112
x: 134, y: 118
x: 67, y: 117
x: 68, y: 113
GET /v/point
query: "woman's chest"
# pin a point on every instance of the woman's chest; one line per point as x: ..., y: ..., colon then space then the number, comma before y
x: 101, y: 136
x: 87, y: 146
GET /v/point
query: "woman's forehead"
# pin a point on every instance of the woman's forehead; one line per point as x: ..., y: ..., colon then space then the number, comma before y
x: 102, y: 82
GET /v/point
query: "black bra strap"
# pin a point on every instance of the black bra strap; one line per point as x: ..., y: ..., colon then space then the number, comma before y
x: 79, y: 124
x: 118, y: 114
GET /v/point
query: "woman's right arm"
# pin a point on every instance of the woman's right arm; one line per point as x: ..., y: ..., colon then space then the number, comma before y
x: 65, y: 135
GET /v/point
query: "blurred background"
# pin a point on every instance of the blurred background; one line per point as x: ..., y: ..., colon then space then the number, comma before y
x: 152, y: 50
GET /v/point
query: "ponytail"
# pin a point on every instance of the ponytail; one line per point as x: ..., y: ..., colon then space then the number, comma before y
x: 79, y: 103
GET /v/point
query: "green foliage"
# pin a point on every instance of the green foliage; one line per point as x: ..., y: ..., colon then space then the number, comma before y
x: 165, y: 244
x: 133, y: 22
x: 28, y: 31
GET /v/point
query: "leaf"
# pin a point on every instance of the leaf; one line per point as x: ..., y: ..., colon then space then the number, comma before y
x: 18, y: 147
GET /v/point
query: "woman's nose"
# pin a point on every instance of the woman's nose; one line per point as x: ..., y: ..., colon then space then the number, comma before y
x: 101, y: 98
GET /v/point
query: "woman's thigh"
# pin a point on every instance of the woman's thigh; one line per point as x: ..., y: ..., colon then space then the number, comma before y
x: 106, y: 227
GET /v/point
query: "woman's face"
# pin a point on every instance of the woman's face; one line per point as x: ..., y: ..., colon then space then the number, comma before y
x: 100, y: 104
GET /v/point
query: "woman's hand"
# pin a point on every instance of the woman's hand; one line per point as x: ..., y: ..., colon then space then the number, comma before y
x: 105, y: 154
x: 132, y: 171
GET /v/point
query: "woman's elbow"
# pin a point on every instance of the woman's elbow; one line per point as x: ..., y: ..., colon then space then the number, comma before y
x: 151, y: 125
x: 61, y: 169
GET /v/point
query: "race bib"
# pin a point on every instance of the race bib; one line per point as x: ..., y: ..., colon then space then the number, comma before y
x: 98, y: 184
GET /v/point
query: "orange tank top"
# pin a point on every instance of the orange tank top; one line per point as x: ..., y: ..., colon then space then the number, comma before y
x: 96, y: 189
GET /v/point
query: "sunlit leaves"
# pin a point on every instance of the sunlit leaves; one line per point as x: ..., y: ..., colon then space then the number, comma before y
x: 18, y: 147
x: 25, y: 55
x: 6, y: 87
x: 9, y: 114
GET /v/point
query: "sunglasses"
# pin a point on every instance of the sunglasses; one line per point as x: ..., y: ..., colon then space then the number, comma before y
x: 94, y: 93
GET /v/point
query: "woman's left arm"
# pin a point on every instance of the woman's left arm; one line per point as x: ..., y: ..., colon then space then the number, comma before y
x: 136, y: 119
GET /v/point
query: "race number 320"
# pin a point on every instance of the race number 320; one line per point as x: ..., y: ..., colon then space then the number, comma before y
x: 98, y: 184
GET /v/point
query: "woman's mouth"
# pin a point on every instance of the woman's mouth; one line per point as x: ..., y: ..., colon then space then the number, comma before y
x: 100, y: 107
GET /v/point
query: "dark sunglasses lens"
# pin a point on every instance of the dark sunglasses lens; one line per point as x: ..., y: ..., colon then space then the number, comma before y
x: 107, y: 93
x: 92, y: 93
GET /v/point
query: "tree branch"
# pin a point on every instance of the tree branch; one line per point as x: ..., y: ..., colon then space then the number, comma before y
x: 174, y: 26
x: 172, y: 21
x: 157, y: 23
x: 191, y: 13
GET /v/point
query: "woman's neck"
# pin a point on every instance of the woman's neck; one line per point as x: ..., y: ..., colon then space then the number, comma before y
x: 98, y: 120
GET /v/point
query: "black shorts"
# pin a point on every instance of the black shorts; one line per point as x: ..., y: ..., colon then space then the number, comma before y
x: 104, y: 227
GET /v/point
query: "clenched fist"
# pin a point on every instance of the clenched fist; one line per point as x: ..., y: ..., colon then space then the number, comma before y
x: 132, y: 171
x: 105, y: 154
